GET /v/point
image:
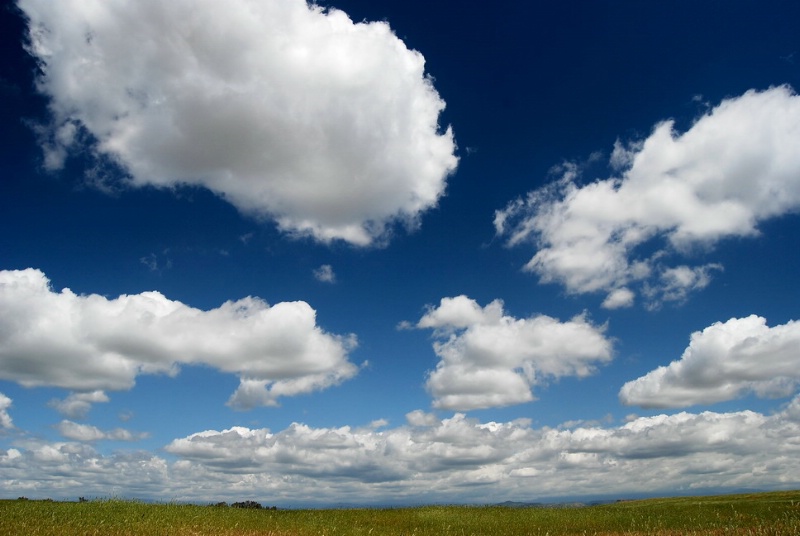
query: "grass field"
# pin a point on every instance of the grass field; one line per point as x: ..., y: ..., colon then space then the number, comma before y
x: 776, y: 513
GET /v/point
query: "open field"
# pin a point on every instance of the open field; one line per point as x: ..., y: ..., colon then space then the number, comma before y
x: 775, y: 513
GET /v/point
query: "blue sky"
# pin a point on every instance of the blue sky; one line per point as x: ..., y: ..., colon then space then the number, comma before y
x: 398, y: 252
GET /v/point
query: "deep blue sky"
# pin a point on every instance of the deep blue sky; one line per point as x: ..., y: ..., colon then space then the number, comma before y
x: 533, y: 91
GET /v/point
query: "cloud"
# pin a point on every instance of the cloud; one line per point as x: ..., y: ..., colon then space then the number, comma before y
x: 91, y: 344
x: 325, y: 274
x: 490, y: 359
x: 5, y: 418
x: 724, y: 361
x: 152, y: 263
x: 421, y: 418
x: 455, y: 459
x: 618, y: 298
x: 460, y: 312
x: 677, y: 194
x: 287, y: 110
x: 77, y: 405
x: 86, y: 433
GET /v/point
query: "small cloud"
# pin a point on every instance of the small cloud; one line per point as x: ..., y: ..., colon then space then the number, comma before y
x: 378, y: 423
x: 150, y: 261
x: 87, y: 433
x: 156, y: 263
x: 245, y: 238
x: 325, y: 274
x: 421, y: 418
x: 675, y: 284
x: 619, y: 298
x: 77, y: 405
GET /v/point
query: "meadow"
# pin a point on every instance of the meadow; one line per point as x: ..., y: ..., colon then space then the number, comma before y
x: 773, y: 513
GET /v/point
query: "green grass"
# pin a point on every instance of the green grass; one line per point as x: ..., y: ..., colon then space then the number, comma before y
x: 775, y: 513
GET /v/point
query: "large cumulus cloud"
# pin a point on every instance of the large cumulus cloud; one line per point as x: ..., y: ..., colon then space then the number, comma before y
x: 491, y: 359
x: 287, y: 110
x: 727, y: 360
x: 90, y: 344
x: 737, y: 166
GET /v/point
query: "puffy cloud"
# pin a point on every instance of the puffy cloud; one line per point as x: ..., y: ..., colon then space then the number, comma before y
x: 460, y: 312
x: 454, y: 459
x: 325, y: 274
x: 675, y: 284
x: 734, y: 168
x: 90, y: 344
x: 724, y: 361
x: 490, y: 359
x: 299, y: 450
x: 87, y: 433
x: 421, y: 418
x: 5, y: 418
x: 359, y: 454
x: 618, y: 298
x: 59, y: 470
x: 285, y: 109
x: 77, y: 405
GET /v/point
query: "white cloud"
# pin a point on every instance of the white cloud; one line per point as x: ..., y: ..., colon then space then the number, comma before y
x: 675, y: 284
x: 5, y: 418
x: 153, y: 263
x: 77, y: 405
x: 92, y: 343
x: 460, y: 312
x: 421, y: 418
x: 734, y: 168
x: 723, y: 362
x: 618, y: 298
x: 87, y: 433
x: 489, y: 359
x: 325, y: 274
x: 286, y: 110
x: 455, y: 459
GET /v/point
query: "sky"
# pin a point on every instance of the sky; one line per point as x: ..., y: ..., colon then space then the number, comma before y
x: 398, y: 252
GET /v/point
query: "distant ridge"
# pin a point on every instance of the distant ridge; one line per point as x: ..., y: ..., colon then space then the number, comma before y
x: 573, y: 504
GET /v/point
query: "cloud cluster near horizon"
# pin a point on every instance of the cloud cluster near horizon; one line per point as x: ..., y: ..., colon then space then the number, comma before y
x: 430, y: 458
x: 490, y: 359
x: 88, y: 434
x: 92, y: 344
x: 675, y: 194
x: 287, y: 110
